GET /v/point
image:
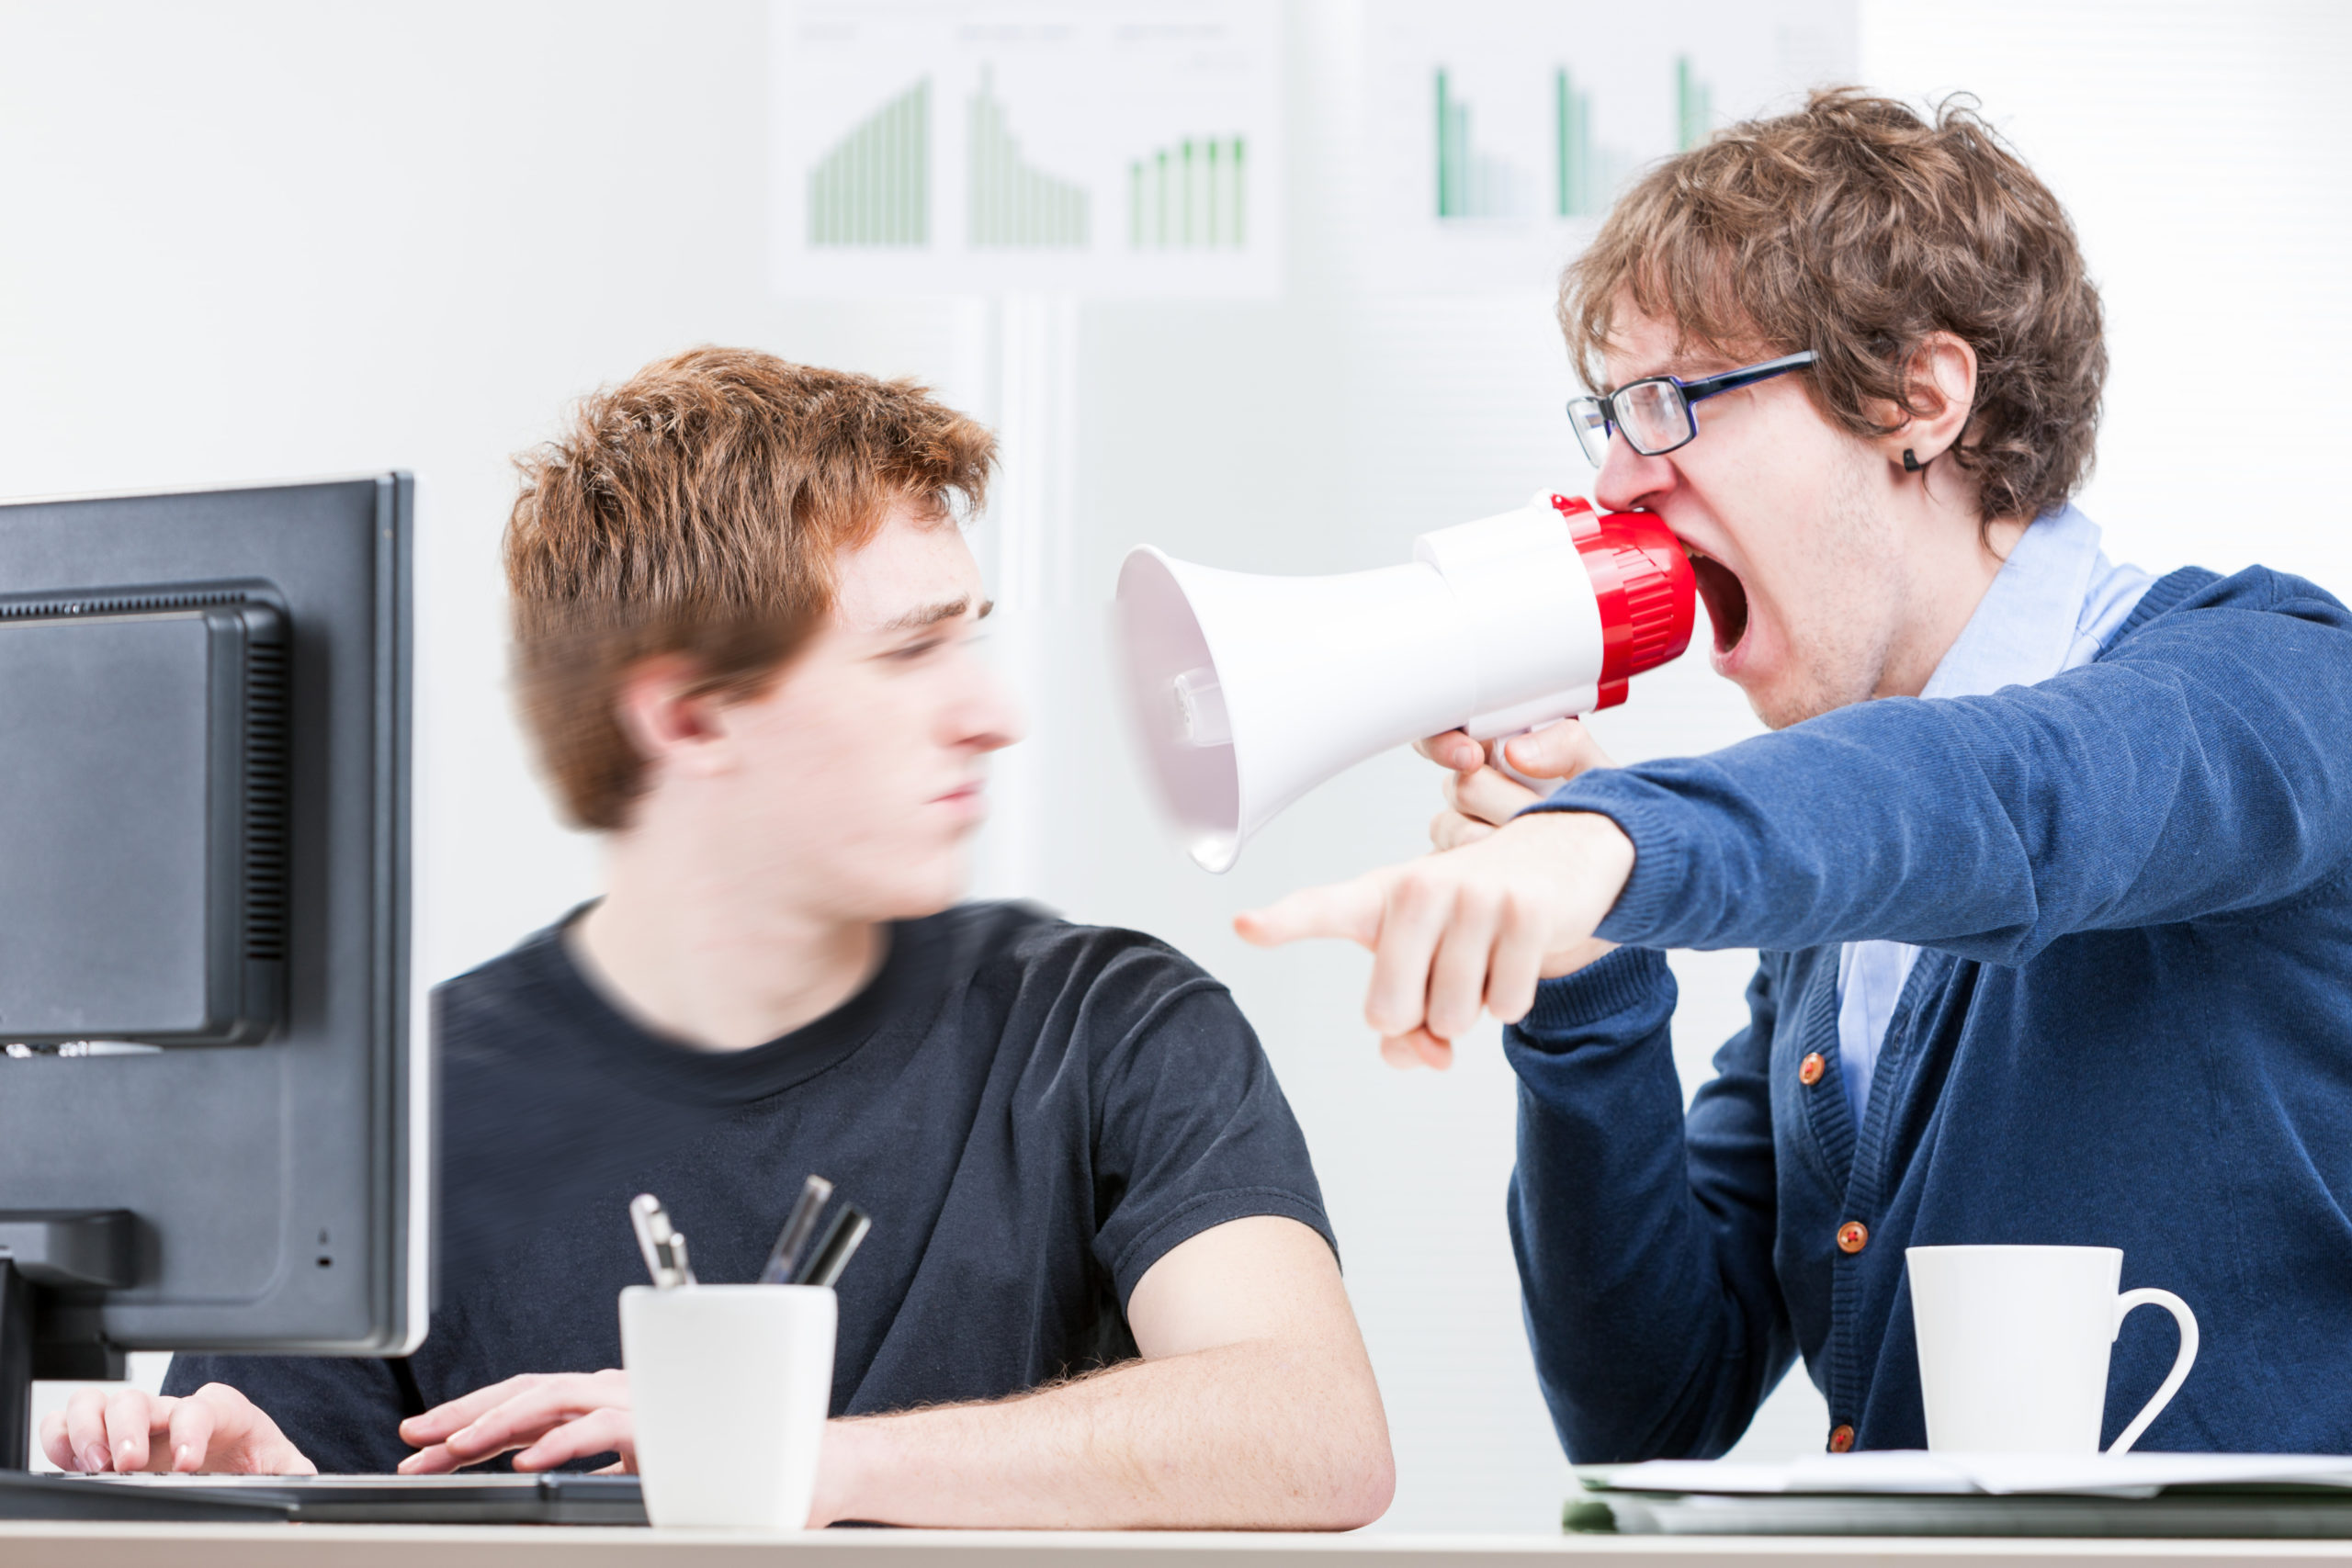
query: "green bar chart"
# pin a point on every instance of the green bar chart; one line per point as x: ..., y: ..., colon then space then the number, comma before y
x: 873, y: 187
x: 1010, y: 203
x: 1496, y: 137
x: 1694, y: 106
x: 1191, y: 195
x: 1102, y: 148
x: 1572, y: 118
x: 1470, y: 184
x: 1586, y: 173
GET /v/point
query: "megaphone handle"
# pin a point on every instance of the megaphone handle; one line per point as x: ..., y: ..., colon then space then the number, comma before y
x: 1497, y: 760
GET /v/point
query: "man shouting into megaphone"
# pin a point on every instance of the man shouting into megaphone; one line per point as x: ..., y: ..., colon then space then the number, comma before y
x: 2049, y: 861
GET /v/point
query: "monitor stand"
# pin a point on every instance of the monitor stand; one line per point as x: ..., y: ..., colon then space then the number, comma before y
x: 56, y: 1266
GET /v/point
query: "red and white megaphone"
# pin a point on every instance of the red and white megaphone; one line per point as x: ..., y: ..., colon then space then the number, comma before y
x: 1247, y: 692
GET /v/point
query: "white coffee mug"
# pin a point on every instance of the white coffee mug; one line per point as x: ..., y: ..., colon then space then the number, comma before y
x: 2014, y: 1342
x: 729, y: 1386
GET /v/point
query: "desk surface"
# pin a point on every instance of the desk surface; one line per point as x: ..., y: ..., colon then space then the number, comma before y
x: 404, y: 1546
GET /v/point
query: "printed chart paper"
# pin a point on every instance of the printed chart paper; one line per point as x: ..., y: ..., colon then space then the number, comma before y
x: 1501, y: 131
x: 1109, y: 148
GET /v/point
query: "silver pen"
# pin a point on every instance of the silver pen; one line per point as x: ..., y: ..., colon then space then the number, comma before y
x: 663, y: 1247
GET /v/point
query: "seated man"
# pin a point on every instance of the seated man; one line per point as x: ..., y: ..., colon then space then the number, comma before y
x: 1100, y: 1289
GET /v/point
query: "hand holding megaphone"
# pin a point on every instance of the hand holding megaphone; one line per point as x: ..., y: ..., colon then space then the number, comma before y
x: 1491, y: 784
x: 1246, y: 692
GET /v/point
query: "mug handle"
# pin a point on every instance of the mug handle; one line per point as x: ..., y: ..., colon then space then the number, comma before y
x: 2180, y: 1363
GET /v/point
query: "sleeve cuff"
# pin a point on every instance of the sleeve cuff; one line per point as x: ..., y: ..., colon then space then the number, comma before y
x: 1661, y: 853
x: 1207, y: 1211
x: 1630, y: 981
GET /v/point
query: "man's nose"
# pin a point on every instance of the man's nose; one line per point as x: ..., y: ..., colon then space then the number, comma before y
x: 989, y: 718
x: 1628, y: 480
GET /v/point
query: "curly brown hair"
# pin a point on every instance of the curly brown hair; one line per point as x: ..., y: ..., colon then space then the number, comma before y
x: 1854, y: 228
x: 697, y: 509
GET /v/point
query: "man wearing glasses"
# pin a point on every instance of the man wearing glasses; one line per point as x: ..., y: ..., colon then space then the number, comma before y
x: 2055, y: 956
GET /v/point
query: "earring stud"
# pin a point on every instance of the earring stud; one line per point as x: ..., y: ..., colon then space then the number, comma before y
x: 1911, y: 465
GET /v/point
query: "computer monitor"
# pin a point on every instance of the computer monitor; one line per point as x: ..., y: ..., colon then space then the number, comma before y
x: 213, y: 1123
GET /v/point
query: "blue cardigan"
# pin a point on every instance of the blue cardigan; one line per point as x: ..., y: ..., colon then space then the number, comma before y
x: 2131, y: 1027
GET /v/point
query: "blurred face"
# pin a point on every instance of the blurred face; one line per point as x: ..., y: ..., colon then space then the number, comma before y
x: 855, y: 780
x: 1791, y: 524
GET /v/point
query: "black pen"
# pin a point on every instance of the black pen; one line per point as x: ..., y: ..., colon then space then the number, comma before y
x: 831, y: 1255
x: 798, y: 1227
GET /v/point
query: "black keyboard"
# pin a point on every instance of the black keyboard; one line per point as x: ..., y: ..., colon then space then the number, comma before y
x: 561, y: 1498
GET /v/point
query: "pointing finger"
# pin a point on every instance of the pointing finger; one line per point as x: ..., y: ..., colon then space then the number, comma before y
x: 1349, y: 910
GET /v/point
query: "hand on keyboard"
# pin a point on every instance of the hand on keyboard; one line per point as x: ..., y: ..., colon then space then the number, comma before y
x: 552, y: 1418
x: 216, y: 1428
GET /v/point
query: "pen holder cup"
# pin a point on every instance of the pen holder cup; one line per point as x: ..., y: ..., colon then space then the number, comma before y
x: 729, y: 1386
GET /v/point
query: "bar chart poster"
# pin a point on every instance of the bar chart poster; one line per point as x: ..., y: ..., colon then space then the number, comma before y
x: 1499, y: 131
x: 1122, y: 148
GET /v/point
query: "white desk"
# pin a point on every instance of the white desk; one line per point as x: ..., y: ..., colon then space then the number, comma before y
x: 404, y: 1546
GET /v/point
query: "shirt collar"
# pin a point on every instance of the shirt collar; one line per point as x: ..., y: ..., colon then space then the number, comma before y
x: 2025, y: 626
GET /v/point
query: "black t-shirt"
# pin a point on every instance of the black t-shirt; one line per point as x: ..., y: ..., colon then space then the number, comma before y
x: 1033, y: 1112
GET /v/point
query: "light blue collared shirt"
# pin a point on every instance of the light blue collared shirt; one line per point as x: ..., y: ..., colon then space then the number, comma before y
x: 2051, y: 606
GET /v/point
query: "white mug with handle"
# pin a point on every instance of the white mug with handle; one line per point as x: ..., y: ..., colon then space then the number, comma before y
x: 2014, y: 1343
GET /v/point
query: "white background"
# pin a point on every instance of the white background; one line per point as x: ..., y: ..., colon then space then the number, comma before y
x: 273, y: 240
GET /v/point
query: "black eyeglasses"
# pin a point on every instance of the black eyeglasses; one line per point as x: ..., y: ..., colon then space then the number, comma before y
x: 1655, y: 412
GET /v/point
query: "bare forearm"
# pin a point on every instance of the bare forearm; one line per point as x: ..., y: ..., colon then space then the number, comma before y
x: 1262, y: 1434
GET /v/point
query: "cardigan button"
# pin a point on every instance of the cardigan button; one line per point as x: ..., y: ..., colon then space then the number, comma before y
x: 1841, y: 1439
x: 1809, y: 1071
x: 1853, y: 1236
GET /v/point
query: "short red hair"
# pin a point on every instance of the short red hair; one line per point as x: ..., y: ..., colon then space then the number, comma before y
x: 697, y: 509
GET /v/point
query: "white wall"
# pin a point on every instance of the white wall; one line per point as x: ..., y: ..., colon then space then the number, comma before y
x: 264, y: 239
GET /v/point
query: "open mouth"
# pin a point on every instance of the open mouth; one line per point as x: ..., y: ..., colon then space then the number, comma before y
x: 1725, y: 597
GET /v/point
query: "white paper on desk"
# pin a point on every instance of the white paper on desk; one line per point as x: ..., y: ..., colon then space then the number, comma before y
x: 1885, y: 1470
x: 1918, y: 1472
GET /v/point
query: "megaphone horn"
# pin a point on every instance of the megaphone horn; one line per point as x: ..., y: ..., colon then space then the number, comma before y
x: 1246, y: 692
